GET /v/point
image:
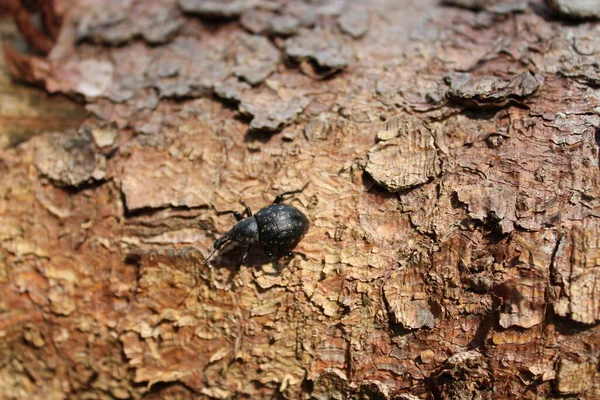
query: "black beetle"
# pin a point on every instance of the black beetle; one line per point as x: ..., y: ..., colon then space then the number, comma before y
x: 277, y: 227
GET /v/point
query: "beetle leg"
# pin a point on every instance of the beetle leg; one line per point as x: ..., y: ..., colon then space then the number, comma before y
x: 238, y: 215
x: 279, y: 197
x: 248, y: 210
x: 244, y: 256
x: 268, y: 252
x: 273, y: 255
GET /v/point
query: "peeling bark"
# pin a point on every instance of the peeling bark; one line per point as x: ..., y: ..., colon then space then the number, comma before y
x: 452, y: 153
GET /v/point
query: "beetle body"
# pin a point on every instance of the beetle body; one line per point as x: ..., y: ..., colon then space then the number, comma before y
x: 281, y: 226
x: 277, y: 228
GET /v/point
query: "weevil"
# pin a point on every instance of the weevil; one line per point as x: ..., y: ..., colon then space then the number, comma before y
x: 278, y: 228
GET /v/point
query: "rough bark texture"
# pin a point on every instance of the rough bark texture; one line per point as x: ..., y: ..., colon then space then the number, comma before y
x: 453, y: 159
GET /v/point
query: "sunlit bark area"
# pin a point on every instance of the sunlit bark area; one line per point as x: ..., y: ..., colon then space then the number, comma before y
x: 451, y: 151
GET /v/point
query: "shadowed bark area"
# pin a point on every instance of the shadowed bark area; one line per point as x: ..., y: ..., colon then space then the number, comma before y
x: 452, y: 155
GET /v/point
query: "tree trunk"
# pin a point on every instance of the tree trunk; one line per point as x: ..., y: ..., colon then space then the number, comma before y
x: 451, y: 153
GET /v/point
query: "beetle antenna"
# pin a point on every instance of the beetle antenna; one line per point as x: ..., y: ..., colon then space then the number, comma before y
x: 218, y: 244
x: 209, y: 256
x: 213, y: 234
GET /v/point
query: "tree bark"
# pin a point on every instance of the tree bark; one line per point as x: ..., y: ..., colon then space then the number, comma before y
x: 452, y: 156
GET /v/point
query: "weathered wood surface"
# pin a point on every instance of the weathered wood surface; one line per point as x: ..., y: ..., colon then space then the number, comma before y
x: 452, y: 153
x: 26, y: 111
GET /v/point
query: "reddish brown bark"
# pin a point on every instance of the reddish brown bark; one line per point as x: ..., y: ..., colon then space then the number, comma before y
x: 452, y: 155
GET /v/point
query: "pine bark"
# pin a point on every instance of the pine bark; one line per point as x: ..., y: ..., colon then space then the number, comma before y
x: 452, y: 158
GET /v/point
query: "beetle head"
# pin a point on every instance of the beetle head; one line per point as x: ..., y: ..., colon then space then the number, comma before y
x: 244, y: 232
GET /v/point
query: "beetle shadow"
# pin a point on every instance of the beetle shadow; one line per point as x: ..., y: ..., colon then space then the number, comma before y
x: 260, y: 136
x: 544, y: 11
x: 229, y: 258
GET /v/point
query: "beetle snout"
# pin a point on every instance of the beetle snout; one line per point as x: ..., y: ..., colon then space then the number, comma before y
x: 221, y: 241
